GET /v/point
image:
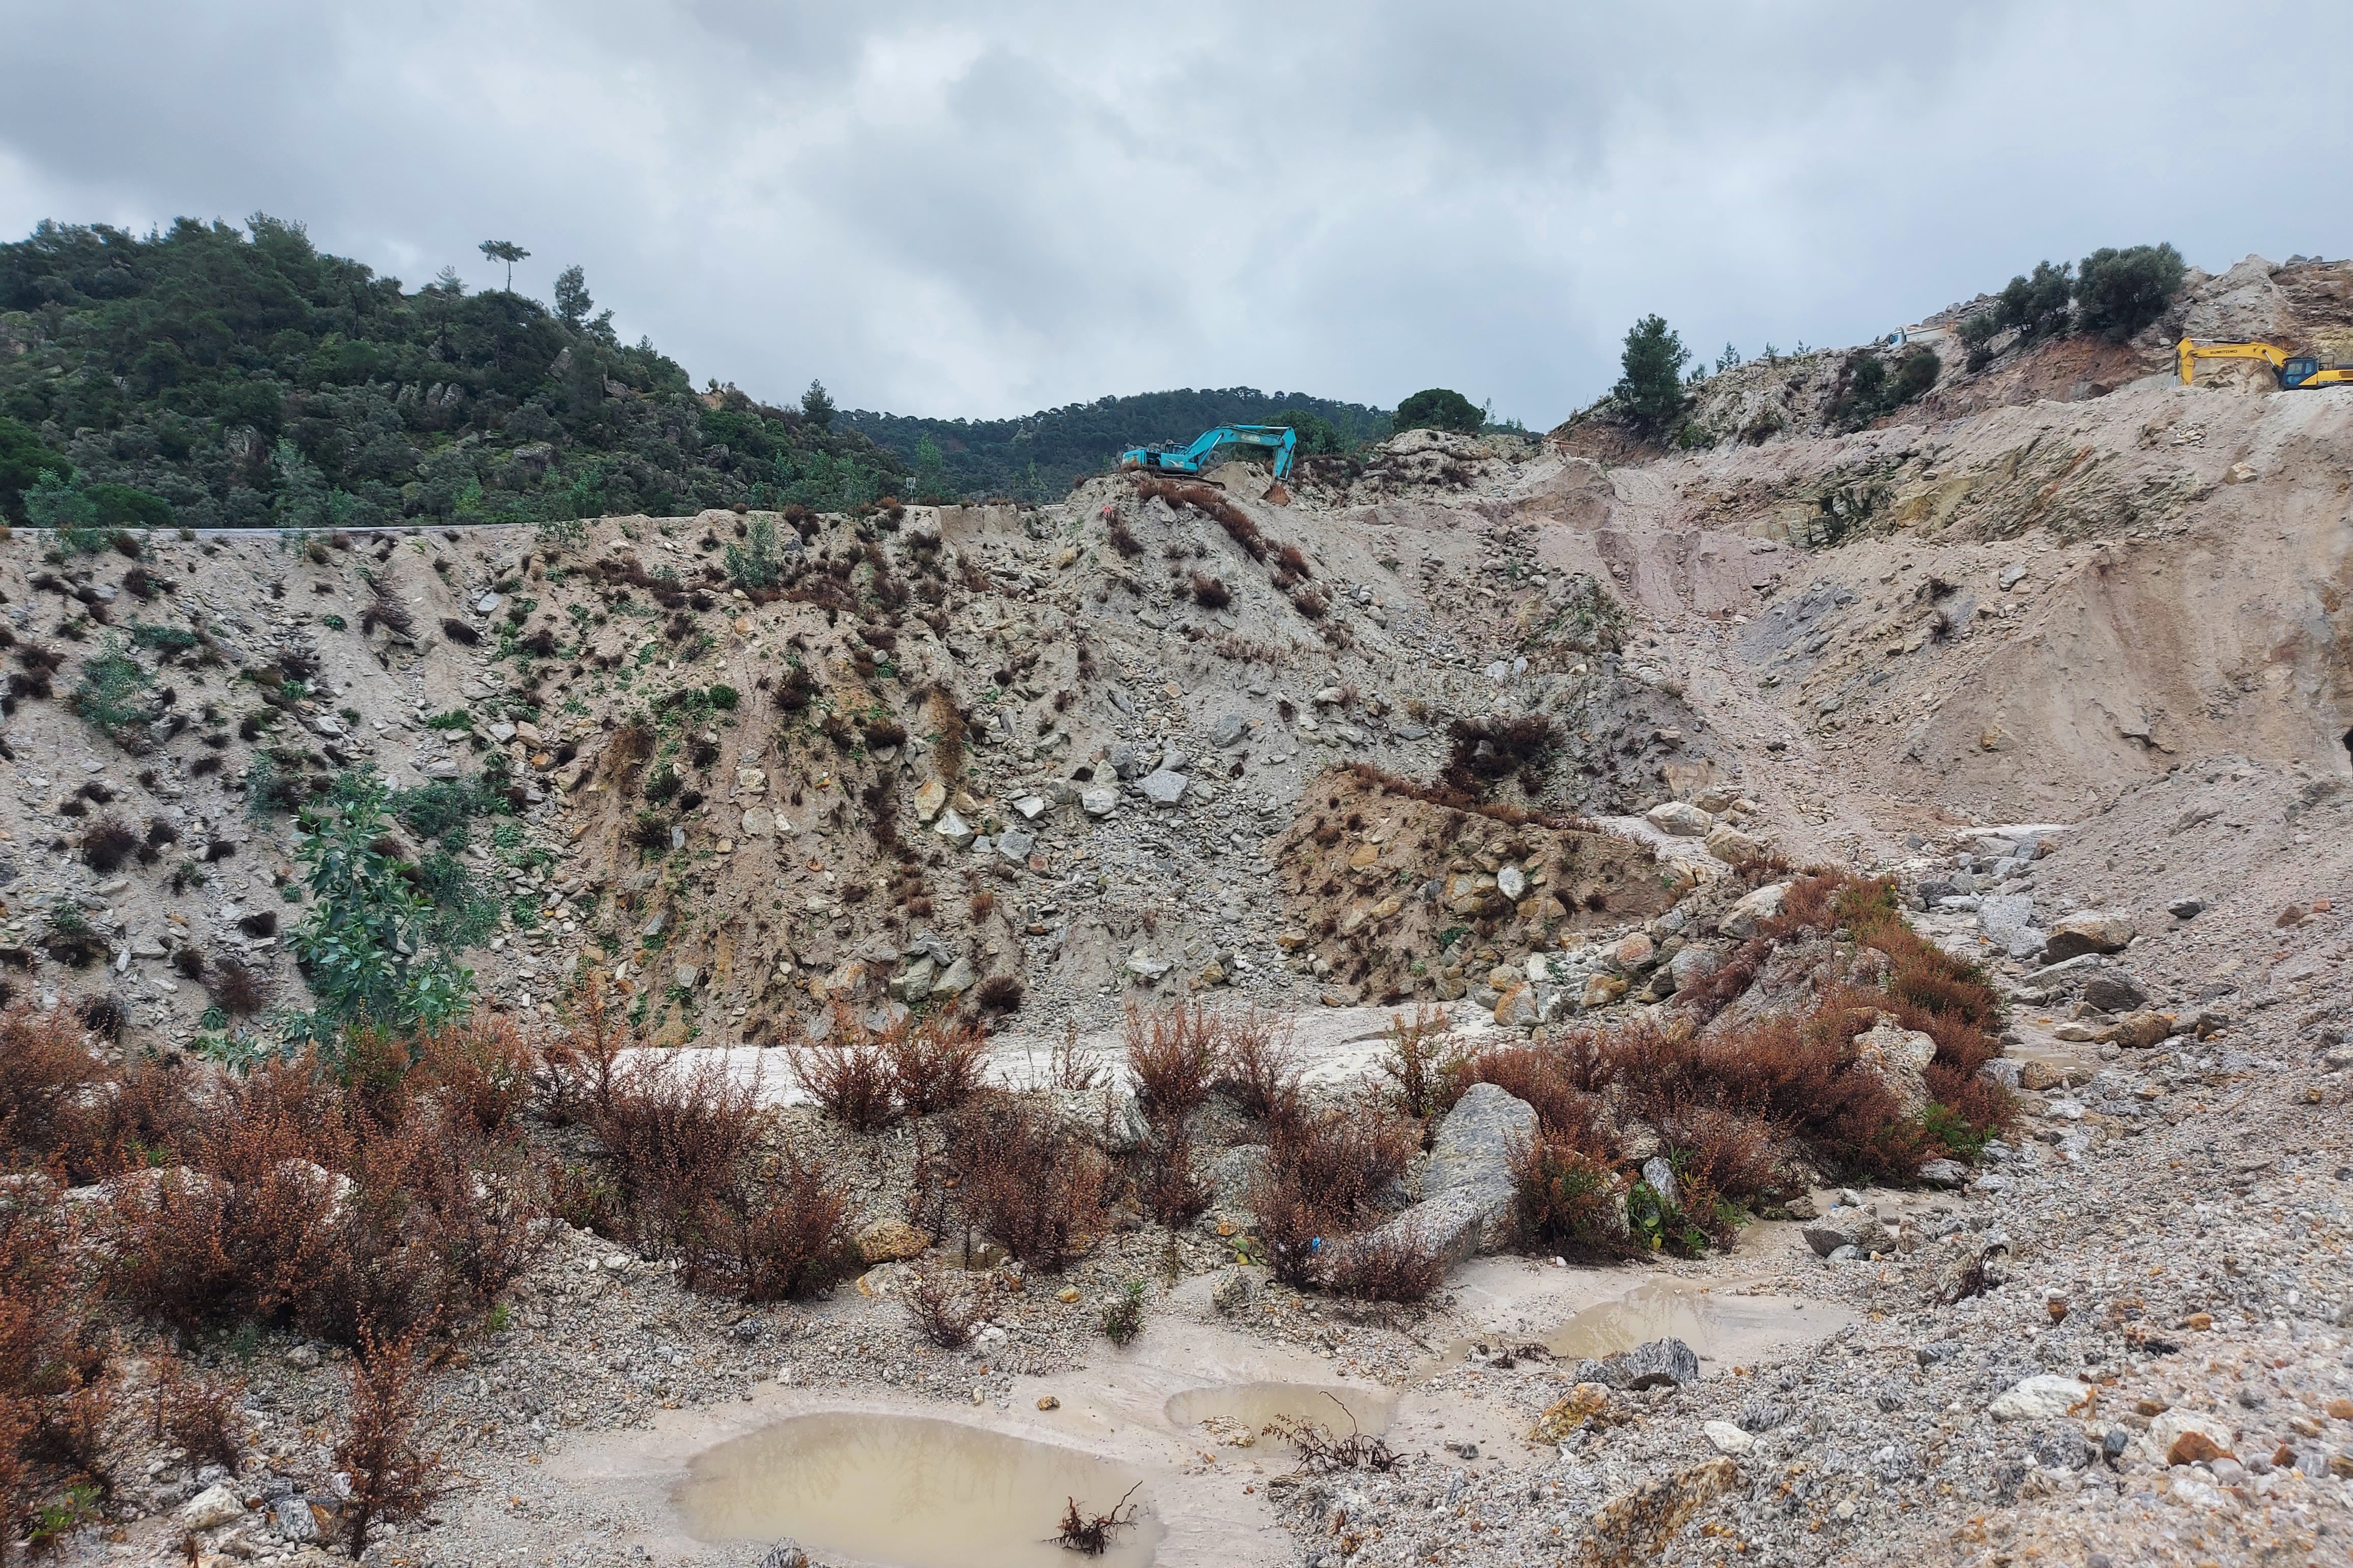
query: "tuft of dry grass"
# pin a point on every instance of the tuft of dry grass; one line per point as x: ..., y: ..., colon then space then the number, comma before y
x: 108, y: 843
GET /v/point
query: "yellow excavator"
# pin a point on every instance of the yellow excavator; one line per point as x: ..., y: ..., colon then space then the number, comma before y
x: 2294, y: 371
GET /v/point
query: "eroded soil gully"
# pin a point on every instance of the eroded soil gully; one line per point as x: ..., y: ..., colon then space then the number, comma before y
x: 911, y: 1483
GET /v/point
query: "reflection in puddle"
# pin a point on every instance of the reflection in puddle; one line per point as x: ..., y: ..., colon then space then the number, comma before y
x: 1240, y: 1411
x: 1719, y: 1326
x: 907, y: 1491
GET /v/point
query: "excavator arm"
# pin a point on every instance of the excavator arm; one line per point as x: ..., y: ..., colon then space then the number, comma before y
x: 1279, y: 439
x: 2189, y: 353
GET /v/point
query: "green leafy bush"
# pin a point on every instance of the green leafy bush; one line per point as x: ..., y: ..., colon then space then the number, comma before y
x: 23, y: 460
x: 2118, y: 292
x: 1440, y: 408
x: 110, y: 696
x: 756, y: 562
x: 2036, y: 306
x: 368, y: 947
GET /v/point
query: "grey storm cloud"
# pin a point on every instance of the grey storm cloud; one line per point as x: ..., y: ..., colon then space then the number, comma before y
x: 983, y: 210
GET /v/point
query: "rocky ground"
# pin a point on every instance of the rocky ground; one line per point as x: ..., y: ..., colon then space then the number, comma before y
x: 2061, y: 652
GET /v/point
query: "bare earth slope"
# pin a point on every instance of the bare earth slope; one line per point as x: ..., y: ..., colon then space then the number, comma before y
x: 2065, y: 643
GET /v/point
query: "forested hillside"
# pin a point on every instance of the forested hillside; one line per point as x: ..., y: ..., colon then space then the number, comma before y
x: 215, y: 377
x: 1037, y: 457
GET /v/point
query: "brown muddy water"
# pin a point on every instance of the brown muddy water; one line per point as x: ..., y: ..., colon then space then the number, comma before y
x: 909, y: 1493
x: 1250, y: 1406
x: 1719, y: 1325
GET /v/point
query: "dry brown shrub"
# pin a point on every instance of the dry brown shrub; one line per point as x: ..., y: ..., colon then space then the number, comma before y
x: 108, y: 843
x: 1326, y: 1175
x: 1210, y: 593
x: 944, y: 1310
x: 777, y: 1235
x: 57, y: 1394
x: 1175, y: 1054
x: 393, y: 1475
x: 1389, y: 1266
x: 237, y: 987
x: 1429, y: 1080
x: 1566, y: 1196
x: 1258, y: 1067
x: 51, y: 1088
x: 1029, y: 1185
x: 848, y: 1071
x: 480, y: 1066
x: 1552, y: 1078
x: 1481, y: 753
x: 674, y: 1135
x: 935, y: 1062
x: 999, y: 994
x: 1122, y: 538
x: 1171, y: 1188
x: 197, y: 1411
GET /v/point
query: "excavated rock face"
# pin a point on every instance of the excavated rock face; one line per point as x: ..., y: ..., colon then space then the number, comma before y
x: 1400, y: 895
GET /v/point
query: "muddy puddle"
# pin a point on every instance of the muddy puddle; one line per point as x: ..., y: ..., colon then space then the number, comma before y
x: 1723, y: 1328
x: 1231, y: 1411
x: 907, y: 1492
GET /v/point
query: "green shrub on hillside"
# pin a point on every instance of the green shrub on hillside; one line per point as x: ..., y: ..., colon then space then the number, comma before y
x: 1440, y: 408
x: 2118, y: 292
x: 2035, y: 306
x: 1650, y: 389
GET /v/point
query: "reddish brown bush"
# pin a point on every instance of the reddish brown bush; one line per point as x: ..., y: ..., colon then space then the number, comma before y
x: 1171, y: 1188
x: 1210, y: 593
x: 1256, y: 1067
x: 48, y: 1084
x: 1567, y: 1197
x: 1175, y: 1054
x: 1031, y: 1187
x: 1385, y: 1266
x: 1427, y: 1079
x: 393, y: 1475
x: 1328, y: 1172
x: 946, y: 1305
x: 1122, y: 538
x: 772, y: 1236
x: 935, y: 1062
x: 848, y: 1071
x: 197, y: 1411
x: 674, y: 1135
x: 480, y: 1066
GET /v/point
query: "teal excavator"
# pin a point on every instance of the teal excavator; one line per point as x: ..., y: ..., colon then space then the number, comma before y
x: 1280, y: 439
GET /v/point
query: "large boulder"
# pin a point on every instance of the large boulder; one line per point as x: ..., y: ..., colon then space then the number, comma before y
x: 1680, y: 818
x: 2088, y: 931
x: 1467, y: 1189
x: 1662, y: 1364
x: 1900, y: 1058
x: 1762, y: 905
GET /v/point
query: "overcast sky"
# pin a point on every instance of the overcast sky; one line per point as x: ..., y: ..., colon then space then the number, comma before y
x: 988, y: 209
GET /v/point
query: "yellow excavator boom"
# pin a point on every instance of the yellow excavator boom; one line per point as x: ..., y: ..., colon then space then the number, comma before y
x: 2190, y: 351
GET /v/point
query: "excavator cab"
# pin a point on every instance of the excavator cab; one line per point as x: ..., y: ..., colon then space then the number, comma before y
x: 2295, y: 373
